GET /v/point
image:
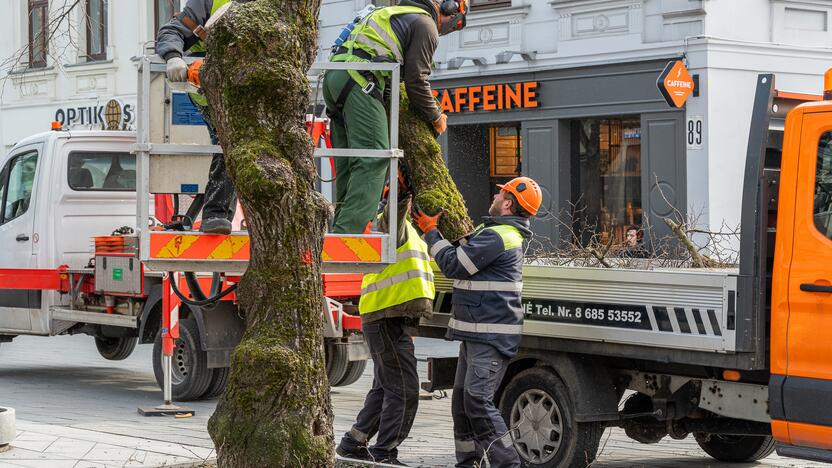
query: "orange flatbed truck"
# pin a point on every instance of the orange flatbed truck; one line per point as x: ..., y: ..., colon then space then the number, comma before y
x: 741, y: 359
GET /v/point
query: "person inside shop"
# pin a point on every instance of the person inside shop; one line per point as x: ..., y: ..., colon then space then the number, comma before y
x: 634, y: 243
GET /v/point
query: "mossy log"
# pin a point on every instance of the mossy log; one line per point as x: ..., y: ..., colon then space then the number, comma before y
x: 276, y: 410
x: 433, y: 186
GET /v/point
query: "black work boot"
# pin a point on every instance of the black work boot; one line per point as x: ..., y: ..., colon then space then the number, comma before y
x: 391, y: 461
x: 216, y: 226
x: 359, y: 453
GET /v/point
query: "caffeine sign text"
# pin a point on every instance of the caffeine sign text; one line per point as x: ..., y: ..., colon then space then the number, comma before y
x: 488, y: 98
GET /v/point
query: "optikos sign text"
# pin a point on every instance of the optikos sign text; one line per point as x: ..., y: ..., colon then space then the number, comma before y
x: 488, y: 98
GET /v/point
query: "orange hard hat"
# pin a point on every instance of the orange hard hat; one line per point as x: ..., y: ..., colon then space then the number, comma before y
x: 526, y: 191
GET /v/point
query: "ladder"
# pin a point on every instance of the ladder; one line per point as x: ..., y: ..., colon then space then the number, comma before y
x: 173, y: 154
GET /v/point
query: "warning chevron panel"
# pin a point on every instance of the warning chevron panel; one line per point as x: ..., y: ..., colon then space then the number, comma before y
x: 171, y: 245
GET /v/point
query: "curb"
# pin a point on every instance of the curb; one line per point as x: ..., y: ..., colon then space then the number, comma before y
x: 209, y: 463
x: 8, y: 430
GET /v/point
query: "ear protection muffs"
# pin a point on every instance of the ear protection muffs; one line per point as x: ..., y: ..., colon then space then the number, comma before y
x: 449, y: 7
x: 457, y: 11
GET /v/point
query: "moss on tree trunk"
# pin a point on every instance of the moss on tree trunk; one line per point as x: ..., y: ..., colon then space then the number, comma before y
x: 276, y: 409
x: 432, y: 183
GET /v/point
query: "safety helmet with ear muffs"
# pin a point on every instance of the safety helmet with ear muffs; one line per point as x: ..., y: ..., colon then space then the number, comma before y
x: 456, y: 10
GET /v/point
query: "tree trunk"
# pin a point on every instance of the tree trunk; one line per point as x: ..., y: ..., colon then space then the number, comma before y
x: 432, y: 183
x: 276, y: 409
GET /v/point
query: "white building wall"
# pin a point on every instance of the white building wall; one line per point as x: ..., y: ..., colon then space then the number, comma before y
x: 726, y: 42
x: 30, y: 99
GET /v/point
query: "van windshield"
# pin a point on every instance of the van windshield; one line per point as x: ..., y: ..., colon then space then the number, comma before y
x: 102, y: 171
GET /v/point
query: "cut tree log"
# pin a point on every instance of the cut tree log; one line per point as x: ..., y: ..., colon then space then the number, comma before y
x: 432, y: 183
x: 276, y: 410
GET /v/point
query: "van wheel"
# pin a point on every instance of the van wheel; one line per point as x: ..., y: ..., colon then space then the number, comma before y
x: 219, y: 380
x: 116, y: 349
x: 354, y: 371
x: 190, y: 375
x: 735, y: 448
x: 337, y: 362
x: 541, y: 415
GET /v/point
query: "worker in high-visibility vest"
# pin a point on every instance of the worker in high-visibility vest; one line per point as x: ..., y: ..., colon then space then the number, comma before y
x: 182, y: 34
x: 391, y: 304
x: 487, y: 316
x: 407, y: 33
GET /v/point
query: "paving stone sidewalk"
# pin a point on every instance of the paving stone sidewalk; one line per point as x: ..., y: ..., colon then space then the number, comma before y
x: 74, y: 409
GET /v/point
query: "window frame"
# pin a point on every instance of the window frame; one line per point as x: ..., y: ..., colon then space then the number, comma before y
x: 827, y: 135
x: 5, y: 174
x: 102, y: 30
x: 91, y: 189
x: 42, y: 5
x: 156, y: 19
x: 483, y: 5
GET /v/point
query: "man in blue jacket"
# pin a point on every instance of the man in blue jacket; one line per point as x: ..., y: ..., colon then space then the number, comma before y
x: 487, y: 316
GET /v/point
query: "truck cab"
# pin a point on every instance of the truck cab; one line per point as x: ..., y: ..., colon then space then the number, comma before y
x: 59, y: 189
x: 800, y: 387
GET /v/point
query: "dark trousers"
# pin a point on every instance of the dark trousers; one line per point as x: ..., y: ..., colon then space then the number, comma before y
x: 391, y: 404
x: 478, y: 425
x: 220, y: 199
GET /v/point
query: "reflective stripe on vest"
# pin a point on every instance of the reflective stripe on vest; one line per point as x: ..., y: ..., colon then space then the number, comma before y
x: 502, y: 286
x: 375, y: 36
x: 496, y: 328
x: 411, y: 277
x: 511, y: 236
x: 199, y: 46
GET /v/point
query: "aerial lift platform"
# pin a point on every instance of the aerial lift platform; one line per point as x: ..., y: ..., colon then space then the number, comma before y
x: 173, y: 153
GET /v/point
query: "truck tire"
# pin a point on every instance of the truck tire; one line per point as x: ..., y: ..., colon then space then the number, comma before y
x: 190, y: 373
x: 116, y: 349
x: 735, y: 448
x: 219, y: 380
x: 337, y: 362
x: 354, y: 371
x: 558, y: 440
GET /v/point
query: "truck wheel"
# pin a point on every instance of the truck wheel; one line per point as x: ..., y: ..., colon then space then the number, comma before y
x: 337, y: 361
x: 219, y: 380
x: 541, y: 415
x: 353, y: 373
x: 735, y: 448
x: 116, y: 349
x: 190, y: 375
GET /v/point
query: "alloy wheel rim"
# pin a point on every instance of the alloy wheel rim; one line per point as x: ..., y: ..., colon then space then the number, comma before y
x: 537, y: 426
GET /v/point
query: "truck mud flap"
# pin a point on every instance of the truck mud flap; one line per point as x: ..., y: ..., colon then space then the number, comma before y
x: 441, y: 373
x: 222, y: 329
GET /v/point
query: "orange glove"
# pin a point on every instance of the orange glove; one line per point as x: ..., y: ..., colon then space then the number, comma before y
x: 441, y: 124
x: 425, y: 222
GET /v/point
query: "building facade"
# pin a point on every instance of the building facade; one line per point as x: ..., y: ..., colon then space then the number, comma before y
x: 560, y: 90
x: 590, y: 123
x: 66, y: 64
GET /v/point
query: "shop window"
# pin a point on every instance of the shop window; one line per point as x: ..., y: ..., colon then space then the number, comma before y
x: 18, y: 186
x: 606, y: 174
x: 486, y: 4
x: 96, y: 29
x: 38, y: 21
x: 112, y: 172
x: 506, y: 146
x: 823, y: 186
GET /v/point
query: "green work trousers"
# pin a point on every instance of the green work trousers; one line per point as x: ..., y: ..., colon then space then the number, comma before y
x: 361, y: 124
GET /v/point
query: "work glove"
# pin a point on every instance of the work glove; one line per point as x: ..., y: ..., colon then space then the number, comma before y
x: 425, y: 222
x: 441, y: 124
x: 177, y: 69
